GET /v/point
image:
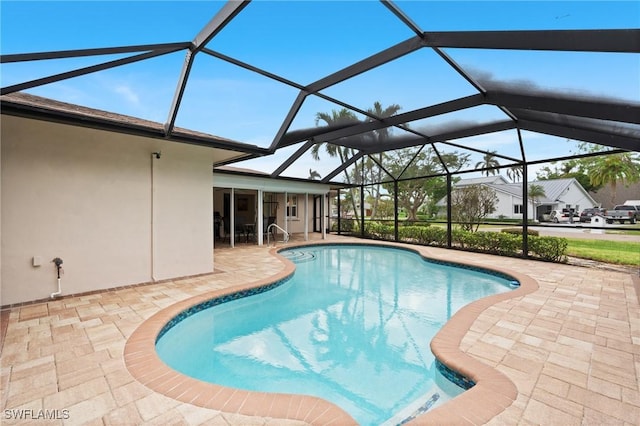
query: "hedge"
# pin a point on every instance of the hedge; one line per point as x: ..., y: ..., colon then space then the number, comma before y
x: 507, y: 243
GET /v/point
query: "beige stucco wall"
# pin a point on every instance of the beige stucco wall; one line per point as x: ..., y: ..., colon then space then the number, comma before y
x: 86, y: 196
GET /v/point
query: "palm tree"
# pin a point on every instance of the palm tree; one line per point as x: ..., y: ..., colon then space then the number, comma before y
x: 344, y: 116
x: 343, y: 153
x: 313, y: 175
x: 535, y: 191
x: 335, y: 118
x: 381, y: 135
x: 514, y: 173
x: 488, y: 163
x: 612, y: 168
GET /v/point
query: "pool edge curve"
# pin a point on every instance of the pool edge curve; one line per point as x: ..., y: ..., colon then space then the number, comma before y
x: 493, y: 391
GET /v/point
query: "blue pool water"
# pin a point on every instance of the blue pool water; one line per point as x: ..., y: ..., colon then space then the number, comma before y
x: 352, y: 326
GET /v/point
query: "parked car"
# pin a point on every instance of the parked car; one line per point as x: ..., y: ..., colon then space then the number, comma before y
x: 587, y: 214
x: 623, y: 213
x: 564, y: 215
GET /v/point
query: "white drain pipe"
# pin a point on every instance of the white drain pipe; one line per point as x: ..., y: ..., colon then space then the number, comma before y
x: 58, y: 263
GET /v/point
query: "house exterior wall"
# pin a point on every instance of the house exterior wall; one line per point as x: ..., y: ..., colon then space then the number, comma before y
x: 504, y: 207
x: 98, y: 200
x: 575, y: 197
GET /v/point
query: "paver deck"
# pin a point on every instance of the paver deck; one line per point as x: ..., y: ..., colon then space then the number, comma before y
x: 569, y: 349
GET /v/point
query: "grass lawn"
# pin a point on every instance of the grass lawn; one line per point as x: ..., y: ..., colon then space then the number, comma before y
x: 617, y: 252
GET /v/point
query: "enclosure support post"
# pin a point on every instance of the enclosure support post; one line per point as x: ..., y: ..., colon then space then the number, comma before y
x: 362, y: 210
x: 395, y: 210
x: 306, y: 216
x: 339, y: 213
x: 448, y: 210
x: 525, y: 212
x: 232, y: 222
x: 324, y: 219
x: 259, y: 221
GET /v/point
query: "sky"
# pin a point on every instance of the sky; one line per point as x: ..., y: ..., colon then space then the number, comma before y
x: 304, y: 41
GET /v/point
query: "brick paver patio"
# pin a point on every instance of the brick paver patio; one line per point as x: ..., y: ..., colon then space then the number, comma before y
x: 571, y: 349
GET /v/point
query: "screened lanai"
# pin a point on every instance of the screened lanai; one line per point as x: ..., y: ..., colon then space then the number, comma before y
x: 368, y: 97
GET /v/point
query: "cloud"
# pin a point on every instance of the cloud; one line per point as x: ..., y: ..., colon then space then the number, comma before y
x: 128, y: 94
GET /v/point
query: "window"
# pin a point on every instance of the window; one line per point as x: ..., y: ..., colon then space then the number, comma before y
x: 292, y: 206
x: 517, y: 208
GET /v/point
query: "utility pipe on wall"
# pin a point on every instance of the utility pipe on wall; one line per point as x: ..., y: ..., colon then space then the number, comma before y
x: 58, y: 263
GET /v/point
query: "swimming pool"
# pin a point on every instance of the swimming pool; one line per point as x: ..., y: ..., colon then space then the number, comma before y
x: 353, y: 326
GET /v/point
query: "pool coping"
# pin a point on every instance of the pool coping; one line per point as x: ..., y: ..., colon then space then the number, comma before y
x: 491, y: 395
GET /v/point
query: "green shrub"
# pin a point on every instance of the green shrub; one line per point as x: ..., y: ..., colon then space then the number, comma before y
x: 552, y: 249
x: 505, y: 243
x: 346, y: 225
x: 518, y: 231
x: 502, y: 244
x: 379, y: 231
x: 434, y: 236
x: 426, y: 235
x: 413, y: 223
x: 464, y: 239
x: 510, y: 244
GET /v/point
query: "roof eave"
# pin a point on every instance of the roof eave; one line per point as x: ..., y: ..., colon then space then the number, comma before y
x: 8, y: 107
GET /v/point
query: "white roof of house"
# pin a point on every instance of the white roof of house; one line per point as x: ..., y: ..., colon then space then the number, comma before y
x: 553, y: 188
x: 486, y: 180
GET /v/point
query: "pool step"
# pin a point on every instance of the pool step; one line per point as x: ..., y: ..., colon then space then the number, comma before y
x: 297, y: 256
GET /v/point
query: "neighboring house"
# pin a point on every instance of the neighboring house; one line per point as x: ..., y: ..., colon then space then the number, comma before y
x: 623, y: 193
x: 559, y: 194
x: 349, y: 213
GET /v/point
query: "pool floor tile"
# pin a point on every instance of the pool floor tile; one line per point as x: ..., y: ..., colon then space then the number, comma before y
x: 565, y: 352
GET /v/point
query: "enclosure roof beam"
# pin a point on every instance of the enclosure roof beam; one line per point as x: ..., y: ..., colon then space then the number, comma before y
x: 292, y: 158
x: 403, y: 17
x: 617, y: 40
x: 455, y: 134
x: 628, y: 143
x: 602, y: 109
x: 225, y: 15
x: 77, y: 53
x: 342, y: 167
x: 215, y: 25
x: 321, y: 134
x: 380, y: 58
x: 86, y: 70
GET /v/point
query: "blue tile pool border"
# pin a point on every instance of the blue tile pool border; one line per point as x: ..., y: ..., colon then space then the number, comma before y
x: 454, y: 377
x: 218, y: 301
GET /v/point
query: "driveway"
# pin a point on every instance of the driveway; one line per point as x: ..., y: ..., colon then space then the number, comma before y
x: 585, y: 231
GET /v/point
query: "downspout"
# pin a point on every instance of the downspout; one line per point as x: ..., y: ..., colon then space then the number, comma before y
x: 154, y: 156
